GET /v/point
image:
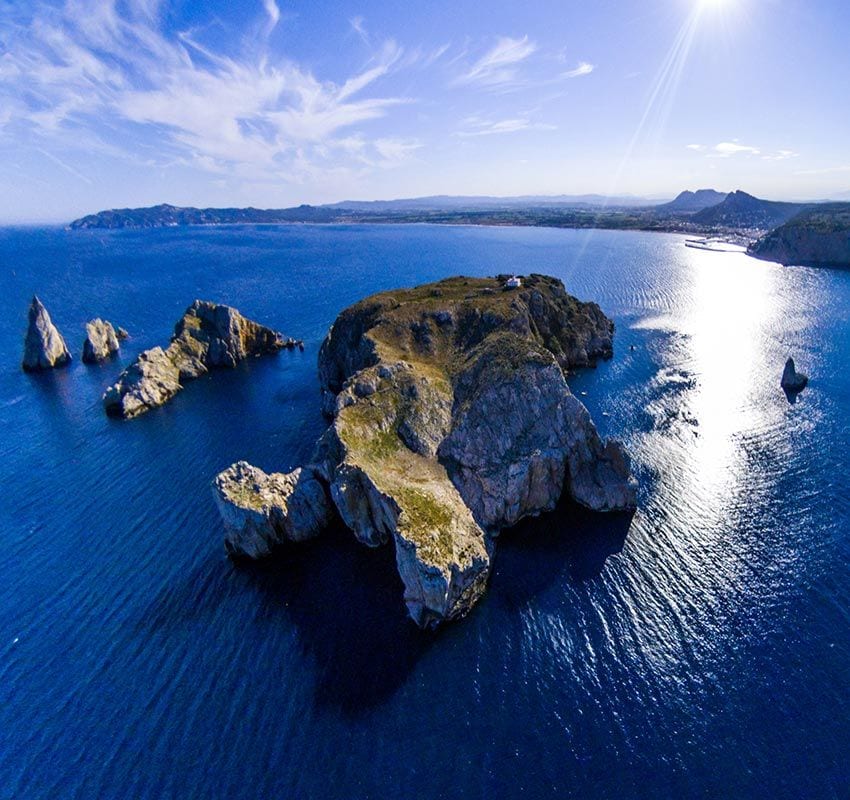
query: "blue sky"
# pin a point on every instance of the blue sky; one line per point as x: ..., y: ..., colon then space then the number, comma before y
x: 107, y: 103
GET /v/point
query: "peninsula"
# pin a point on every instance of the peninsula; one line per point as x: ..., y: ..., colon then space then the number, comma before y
x: 451, y: 419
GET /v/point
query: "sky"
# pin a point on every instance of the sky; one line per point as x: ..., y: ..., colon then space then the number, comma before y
x: 273, y: 103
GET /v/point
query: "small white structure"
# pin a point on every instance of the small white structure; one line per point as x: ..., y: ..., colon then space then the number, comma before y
x: 513, y: 283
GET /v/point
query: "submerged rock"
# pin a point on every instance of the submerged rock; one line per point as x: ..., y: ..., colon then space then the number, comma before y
x: 208, y: 336
x: 44, y: 347
x: 793, y: 381
x: 452, y: 419
x: 101, y: 341
x: 260, y: 511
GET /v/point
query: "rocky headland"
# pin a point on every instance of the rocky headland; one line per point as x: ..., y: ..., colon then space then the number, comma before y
x: 818, y: 237
x: 101, y: 342
x: 208, y: 336
x: 44, y: 346
x: 451, y: 419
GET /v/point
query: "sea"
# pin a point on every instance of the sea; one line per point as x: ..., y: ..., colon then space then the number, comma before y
x: 699, y: 648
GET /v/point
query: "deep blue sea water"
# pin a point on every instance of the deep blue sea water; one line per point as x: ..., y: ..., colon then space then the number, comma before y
x: 698, y: 649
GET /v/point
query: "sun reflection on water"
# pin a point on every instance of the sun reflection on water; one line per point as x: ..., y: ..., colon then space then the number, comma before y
x: 731, y: 313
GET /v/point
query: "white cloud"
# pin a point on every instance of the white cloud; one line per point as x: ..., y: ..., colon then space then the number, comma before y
x: 273, y: 12
x: 728, y: 149
x: 583, y: 68
x: 780, y: 155
x: 498, y: 66
x: 92, y: 66
x: 699, y: 148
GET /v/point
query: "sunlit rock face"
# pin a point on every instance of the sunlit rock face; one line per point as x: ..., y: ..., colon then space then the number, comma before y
x: 208, y: 336
x: 44, y: 347
x: 261, y: 511
x: 101, y: 341
x: 452, y: 419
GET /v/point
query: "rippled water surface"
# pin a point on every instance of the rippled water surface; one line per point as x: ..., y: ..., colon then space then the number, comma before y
x: 698, y: 649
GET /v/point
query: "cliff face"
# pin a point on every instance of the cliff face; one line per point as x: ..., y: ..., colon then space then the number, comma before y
x: 452, y: 419
x: 206, y: 337
x: 818, y: 237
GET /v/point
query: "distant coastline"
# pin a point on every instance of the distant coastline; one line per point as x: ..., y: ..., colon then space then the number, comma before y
x: 737, y: 218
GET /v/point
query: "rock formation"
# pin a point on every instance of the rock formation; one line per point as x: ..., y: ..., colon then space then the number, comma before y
x: 44, y: 347
x: 261, y: 511
x: 122, y: 334
x: 206, y: 337
x: 817, y: 237
x: 793, y: 381
x: 101, y: 341
x: 452, y: 419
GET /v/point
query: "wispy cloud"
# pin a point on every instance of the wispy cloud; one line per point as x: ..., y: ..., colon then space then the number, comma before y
x: 358, y: 25
x: 581, y: 69
x: 474, y: 126
x: 94, y: 65
x: 735, y: 148
x: 498, y: 66
x: 837, y: 170
x: 780, y: 155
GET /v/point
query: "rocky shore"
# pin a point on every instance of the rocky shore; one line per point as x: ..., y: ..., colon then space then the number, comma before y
x: 451, y: 419
x: 208, y: 336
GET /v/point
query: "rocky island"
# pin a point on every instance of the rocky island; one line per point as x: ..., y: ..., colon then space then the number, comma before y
x: 208, y: 336
x: 101, y: 342
x: 44, y: 346
x: 451, y: 419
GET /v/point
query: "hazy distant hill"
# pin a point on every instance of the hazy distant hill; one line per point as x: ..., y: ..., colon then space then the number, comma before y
x: 817, y: 236
x: 691, y: 202
x: 165, y: 216
x: 483, y: 202
x: 742, y: 210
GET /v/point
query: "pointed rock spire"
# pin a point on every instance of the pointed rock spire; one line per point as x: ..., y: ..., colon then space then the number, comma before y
x: 44, y: 347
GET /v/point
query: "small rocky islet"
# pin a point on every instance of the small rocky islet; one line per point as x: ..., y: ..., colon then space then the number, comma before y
x: 208, y: 336
x: 451, y: 419
x: 44, y: 346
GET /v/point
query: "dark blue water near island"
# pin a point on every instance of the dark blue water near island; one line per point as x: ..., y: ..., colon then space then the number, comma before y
x: 699, y: 649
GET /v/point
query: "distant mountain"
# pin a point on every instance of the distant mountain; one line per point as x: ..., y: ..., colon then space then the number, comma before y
x: 166, y: 216
x: 692, y: 202
x: 742, y: 210
x: 444, y: 202
x: 817, y: 236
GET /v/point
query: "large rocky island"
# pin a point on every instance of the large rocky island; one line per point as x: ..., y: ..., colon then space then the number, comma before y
x: 451, y: 419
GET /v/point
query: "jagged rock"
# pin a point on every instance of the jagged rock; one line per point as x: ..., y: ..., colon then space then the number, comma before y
x: 793, y: 381
x: 208, y: 336
x: 260, y: 510
x: 452, y: 419
x: 101, y: 341
x: 122, y: 334
x: 44, y: 347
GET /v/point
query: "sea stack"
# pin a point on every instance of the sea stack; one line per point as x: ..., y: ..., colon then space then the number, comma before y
x: 261, y: 511
x: 44, y: 347
x: 208, y: 336
x: 101, y: 341
x: 793, y: 381
x: 451, y: 419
